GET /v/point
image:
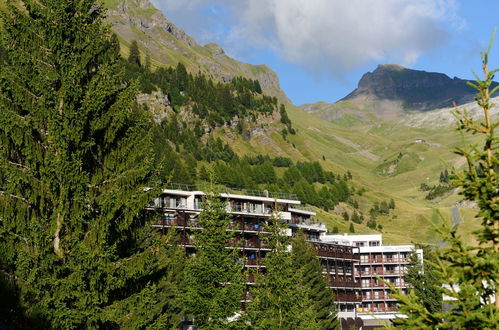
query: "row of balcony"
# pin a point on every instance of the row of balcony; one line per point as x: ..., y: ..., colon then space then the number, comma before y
x: 380, y: 272
x: 376, y: 296
x: 347, y: 297
x: 380, y: 284
x: 188, y: 223
x: 384, y: 260
x: 343, y: 284
x: 335, y: 251
x: 387, y: 309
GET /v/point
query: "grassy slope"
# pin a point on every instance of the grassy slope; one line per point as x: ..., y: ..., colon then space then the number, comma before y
x: 411, y: 220
x: 317, y: 138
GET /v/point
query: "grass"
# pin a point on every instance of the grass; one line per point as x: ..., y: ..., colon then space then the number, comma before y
x: 339, y: 142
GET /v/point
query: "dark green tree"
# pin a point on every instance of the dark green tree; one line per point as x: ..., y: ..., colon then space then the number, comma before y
x: 352, y: 228
x: 391, y: 205
x: 425, y: 279
x: 75, y: 157
x: 345, y: 216
x: 278, y: 300
x: 134, y: 54
x: 214, y: 281
x: 313, y: 282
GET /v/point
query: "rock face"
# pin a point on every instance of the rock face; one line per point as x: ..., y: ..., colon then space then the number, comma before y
x: 166, y: 44
x: 417, y: 90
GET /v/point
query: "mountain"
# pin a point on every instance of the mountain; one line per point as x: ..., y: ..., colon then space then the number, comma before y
x: 167, y: 45
x: 392, y: 91
x: 417, y: 90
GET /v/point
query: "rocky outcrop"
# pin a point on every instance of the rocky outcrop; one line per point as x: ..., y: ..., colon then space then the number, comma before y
x: 166, y: 44
x: 416, y: 90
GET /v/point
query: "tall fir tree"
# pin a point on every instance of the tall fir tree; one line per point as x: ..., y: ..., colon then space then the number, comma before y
x: 278, y: 300
x: 313, y: 283
x: 470, y: 273
x: 75, y: 157
x: 134, y: 53
x: 214, y: 280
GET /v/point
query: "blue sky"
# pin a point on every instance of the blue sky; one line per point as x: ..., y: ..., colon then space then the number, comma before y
x: 321, y: 48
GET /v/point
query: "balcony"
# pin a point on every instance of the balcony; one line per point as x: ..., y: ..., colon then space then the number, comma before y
x: 385, y: 272
x: 249, y: 244
x: 377, y: 310
x: 334, y: 251
x: 384, y: 260
x: 380, y: 296
x: 178, y: 222
x: 343, y: 284
x: 347, y: 297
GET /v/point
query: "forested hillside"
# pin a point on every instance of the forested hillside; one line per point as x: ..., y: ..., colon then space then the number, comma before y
x: 200, y: 106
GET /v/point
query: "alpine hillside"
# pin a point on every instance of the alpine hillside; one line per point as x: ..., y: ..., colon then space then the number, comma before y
x: 365, y: 143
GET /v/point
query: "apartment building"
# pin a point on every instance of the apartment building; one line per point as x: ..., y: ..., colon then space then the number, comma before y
x: 388, y: 262
x: 250, y: 212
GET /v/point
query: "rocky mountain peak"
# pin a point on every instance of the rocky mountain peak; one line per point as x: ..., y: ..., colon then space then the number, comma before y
x: 416, y: 89
x: 167, y: 44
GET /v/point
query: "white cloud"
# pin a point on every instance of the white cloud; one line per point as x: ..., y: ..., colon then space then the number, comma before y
x: 332, y: 35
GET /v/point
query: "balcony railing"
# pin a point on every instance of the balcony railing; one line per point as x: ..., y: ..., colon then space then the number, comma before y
x: 334, y: 251
x: 377, y: 310
x: 384, y: 260
x: 343, y: 284
x: 381, y: 272
x: 381, y: 296
x: 256, y: 244
x: 347, y: 297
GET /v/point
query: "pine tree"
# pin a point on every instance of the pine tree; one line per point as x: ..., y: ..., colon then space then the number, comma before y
x: 352, y: 228
x: 214, y: 281
x: 313, y: 282
x: 470, y: 273
x: 278, y: 300
x: 134, y: 56
x: 392, y: 204
x: 75, y: 156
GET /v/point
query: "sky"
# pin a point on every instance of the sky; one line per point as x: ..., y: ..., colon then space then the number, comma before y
x: 321, y: 48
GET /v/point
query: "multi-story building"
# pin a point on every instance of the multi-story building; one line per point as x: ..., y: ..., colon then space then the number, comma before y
x: 377, y: 261
x: 251, y: 211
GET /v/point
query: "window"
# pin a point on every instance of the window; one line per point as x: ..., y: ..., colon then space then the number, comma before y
x: 374, y: 243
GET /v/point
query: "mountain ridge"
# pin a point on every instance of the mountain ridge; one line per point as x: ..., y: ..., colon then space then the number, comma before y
x: 167, y: 45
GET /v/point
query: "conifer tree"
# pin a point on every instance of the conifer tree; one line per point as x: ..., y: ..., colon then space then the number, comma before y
x: 313, y: 283
x: 425, y: 280
x: 470, y: 273
x: 278, y: 300
x: 214, y: 281
x: 134, y: 56
x: 75, y: 157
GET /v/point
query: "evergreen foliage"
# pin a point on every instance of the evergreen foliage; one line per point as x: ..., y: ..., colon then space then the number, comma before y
x: 471, y: 273
x: 75, y: 156
x: 315, y: 285
x: 425, y: 280
x: 279, y: 300
x: 352, y: 228
x: 214, y: 281
x: 214, y: 102
x: 134, y: 56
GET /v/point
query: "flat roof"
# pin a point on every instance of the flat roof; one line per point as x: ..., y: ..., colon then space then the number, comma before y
x: 234, y: 196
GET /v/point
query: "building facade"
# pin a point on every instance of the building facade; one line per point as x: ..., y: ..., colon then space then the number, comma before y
x: 351, y: 263
x: 378, y: 263
x: 250, y: 214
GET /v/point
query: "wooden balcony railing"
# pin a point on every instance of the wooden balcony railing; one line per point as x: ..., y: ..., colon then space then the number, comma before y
x: 384, y: 260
